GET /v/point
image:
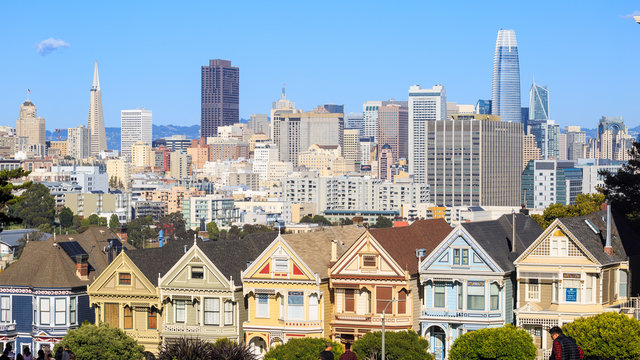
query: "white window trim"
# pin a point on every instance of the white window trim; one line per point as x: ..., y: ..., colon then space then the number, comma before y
x: 64, y: 311
x: 268, y: 306
x: 9, y: 318
x: 528, y: 292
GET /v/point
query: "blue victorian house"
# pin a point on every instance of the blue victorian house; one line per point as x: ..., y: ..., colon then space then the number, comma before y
x: 468, y: 279
x: 44, y: 293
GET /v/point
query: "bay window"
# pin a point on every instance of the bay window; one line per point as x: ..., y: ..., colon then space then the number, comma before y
x: 60, y: 311
x: 475, y: 295
x: 228, y: 313
x: 295, y: 304
x: 45, y: 315
x: 438, y: 295
x: 211, y: 311
x: 495, y: 297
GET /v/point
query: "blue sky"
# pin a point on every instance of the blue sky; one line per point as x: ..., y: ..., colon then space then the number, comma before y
x: 150, y: 54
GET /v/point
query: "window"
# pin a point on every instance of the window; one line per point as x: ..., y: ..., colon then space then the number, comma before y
x: 349, y: 300
x: 152, y: 319
x: 456, y: 256
x: 211, y: 311
x: 282, y: 265
x: 533, y: 290
x: 589, y: 288
x: 45, y: 316
x: 262, y: 307
x: 5, y: 309
x: 124, y: 279
x: 295, y: 302
x: 571, y: 290
x: 128, y: 318
x: 369, y: 260
x: 383, y: 296
x: 228, y: 313
x: 460, y: 256
x: 475, y: 295
x: 197, y: 272
x: 622, y: 291
x: 402, y: 302
x: 281, y: 307
x: 495, y: 297
x: 72, y: 310
x: 465, y: 256
x: 181, y: 309
x: 313, y: 307
x: 61, y: 311
x: 460, y: 297
x: 438, y: 295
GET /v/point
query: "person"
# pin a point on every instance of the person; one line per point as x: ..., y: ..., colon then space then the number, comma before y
x: 50, y: 356
x: 66, y: 353
x: 326, y: 354
x: 20, y: 357
x: 58, y: 355
x: 8, y: 352
x: 348, y: 354
x: 27, y: 354
x: 40, y: 355
x: 564, y: 347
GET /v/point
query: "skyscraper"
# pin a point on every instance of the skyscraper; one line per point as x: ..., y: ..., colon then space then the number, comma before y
x: 220, y: 96
x: 298, y: 131
x: 393, y: 121
x: 95, y: 123
x: 538, y: 104
x: 278, y: 108
x: 425, y: 106
x: 547, y: 133
x: 506, y: 78
x: 78, y: 142
x: 29, y: 125
x: 136, y: 126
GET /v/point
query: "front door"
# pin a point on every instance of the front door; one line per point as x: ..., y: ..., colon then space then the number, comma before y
x: 112, y: 315
x: 438, y: 343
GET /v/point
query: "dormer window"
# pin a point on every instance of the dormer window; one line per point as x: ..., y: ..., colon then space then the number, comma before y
x: 124, y: 279
x: 369, y: 260
x: 197, y: 272
x: 460, y: 256
x: 281, y: 265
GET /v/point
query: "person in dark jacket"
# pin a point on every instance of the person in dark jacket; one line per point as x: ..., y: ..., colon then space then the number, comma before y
x: 41, y: 355
x: 564, y: 347
x: 326, y: 354
x: 348, y: 354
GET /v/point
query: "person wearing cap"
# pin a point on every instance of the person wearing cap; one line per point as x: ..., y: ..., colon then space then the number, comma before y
x: 564, y: 347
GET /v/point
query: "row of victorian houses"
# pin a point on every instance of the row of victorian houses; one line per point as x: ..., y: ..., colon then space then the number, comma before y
x: 338, y: 283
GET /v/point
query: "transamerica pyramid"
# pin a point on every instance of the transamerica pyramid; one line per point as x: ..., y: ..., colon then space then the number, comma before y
x: 96, y: 118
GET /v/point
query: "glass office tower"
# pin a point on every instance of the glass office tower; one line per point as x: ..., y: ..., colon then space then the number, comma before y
x: 506, y: 78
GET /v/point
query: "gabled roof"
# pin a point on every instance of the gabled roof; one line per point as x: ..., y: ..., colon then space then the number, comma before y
x: 314, y: 248
x: 44, y: 265
x: 595, y: 242
x: 495, y: 237
x: 401, y: 243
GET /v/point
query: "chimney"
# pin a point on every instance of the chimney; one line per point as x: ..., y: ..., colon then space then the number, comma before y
x: 607, y: 247
x: 82, y: 266
x: 513, y: 232
x: 334, y: 251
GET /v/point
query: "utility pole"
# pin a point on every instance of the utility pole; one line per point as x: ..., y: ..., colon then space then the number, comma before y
x: 383, y: 312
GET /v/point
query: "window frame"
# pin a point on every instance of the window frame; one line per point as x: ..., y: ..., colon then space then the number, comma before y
x: 382, y: 303
x: 228, y: 312
x: 152, y: 314
x: 439, y: 294
x: 349, y: 297
x: 180, y: 307
x: 41, y: 312
x: 5, y: 312
x: 262, y: 308
x: 493, y: 286
x: 211, y: 312
x: 73, y: 310
x: 293, y: 295
x: 197, y: 270
x: 127, y: 318
x: 60, y: 312
x: 533, y: 290
x: 124, y: 279
x: 620, y: 284
x: 470, y: 296
x: 314, y: 306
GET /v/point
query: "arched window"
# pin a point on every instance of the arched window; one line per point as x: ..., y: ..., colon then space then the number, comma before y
x: 402, y: 302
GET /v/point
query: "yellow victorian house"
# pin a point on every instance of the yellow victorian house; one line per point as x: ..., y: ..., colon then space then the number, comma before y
x: 577, y: 267
x: 123, y: 297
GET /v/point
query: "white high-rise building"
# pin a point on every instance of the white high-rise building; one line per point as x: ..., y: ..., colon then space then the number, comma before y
x: 136, y: 126
x: 370, y: 119
x: 78, y: 142
x: 425, y: 105
x: 95, y: 123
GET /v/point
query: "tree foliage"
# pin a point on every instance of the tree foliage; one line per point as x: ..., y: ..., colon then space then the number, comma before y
x: 7, y: 194
x: 197, y: 349
x: 303, y: 349
x: 383, y: 222
x: 401, y: 345
x: 114, y: 222
x: 66, y: 217
x: 174, y: 226
x: 316, y: 219
x: 623, y: 188
x: 346, y: 221
x: 94, y: 219
x: 607, y: 336
x: 585, y: 204
x: 139, y: 230
x: 503, y: 343
x: 22, y: 242
x: 35, y: 207
x: 89, y: 342
x: 212, y: 230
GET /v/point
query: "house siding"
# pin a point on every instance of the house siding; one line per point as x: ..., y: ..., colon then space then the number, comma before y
x: 23, y: 313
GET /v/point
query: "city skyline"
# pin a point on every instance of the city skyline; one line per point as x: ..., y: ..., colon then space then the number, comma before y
x: 59, y: 78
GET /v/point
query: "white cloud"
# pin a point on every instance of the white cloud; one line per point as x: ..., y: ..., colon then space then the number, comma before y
x: 630, y: 16
x: 47, y: 46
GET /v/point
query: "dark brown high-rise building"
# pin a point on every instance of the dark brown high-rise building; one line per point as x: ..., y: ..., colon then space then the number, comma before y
x: 220, y: 96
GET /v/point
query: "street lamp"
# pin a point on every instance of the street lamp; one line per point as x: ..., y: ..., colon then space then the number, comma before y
x: 383, y: 311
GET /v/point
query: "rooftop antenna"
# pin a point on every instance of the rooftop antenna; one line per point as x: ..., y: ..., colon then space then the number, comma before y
x: 284, y: 95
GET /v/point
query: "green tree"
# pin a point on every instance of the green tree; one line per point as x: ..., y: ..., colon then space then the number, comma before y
x: 402, y: 345
x: 89, y: 342
x: 503, y: 343
x: 22, y: 242
x: 383, y: 222
x: 139, y: 230
x: 66, y: 217
x: 114, y: 222
x: 606, y: 336
x: 174, y: 226
x: 319, y: 219
x: 212, y: 230
x: 623, y: 187
x: 94, y: 219
x: 77, y: 221
x: 85, y: 222
x: 7, y: 191
x: 306, y: 219
x: 102, y: 221
x: 35, y: 207
x: 585, y: 204
x: 303, y: 349
x: 346, y: 221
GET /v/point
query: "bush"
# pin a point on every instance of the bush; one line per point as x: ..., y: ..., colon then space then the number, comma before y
x: 403, y: 345
x: 504, y: 343
x: 90, y: 341
x: 303, y: 349
x: 197, y: 349
x: 606, y: 336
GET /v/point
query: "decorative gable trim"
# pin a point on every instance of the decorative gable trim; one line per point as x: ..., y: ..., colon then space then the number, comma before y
x: 350, y: 255
x: 94, y: 289
x: 556, y: 224
x: 194, y: 254
x: 444, y: 245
